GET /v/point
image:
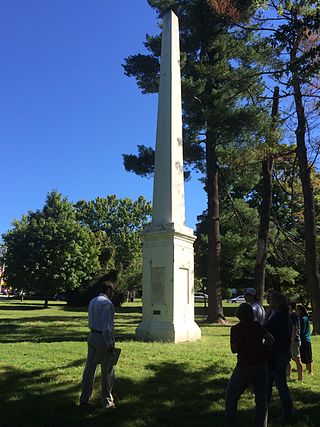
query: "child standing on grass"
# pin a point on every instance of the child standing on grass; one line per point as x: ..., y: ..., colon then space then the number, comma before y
x: 305, y: 349
x: 248, y: 339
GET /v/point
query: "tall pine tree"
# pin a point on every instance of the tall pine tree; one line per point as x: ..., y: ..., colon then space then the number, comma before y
x: 292, y: 28
x: 217, y: 106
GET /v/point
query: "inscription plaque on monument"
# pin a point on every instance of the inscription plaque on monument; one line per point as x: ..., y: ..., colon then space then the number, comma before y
x: 158, y: 285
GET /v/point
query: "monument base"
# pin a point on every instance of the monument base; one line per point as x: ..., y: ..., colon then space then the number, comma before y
x: 172, y: 332
x: 168, y: 285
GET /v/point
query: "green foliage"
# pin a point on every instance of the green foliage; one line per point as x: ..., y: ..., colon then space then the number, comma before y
x: 298, y: 27
x: 217, y: 83
x: 238, y: 242
x: 286, y: 262
x: 142, y: 164
x: 121, y: 221
x: 65, y: 247
x: 141, y: 65
x: 49, y: 251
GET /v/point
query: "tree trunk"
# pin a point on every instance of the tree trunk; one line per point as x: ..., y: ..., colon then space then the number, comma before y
x: 266, y: 204
x: 46, y: 302
x: 215, y: 310
x: 312, y: 271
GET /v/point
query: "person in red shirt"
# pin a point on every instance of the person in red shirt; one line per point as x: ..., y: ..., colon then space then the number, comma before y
x: 249, y: 340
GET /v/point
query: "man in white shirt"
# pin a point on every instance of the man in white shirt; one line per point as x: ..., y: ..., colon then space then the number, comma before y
x: 101, y: 324
x: 250, y: 295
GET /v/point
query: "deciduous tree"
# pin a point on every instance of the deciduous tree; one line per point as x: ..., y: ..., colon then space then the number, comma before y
x: 121, y: 220
x: 48, y: 250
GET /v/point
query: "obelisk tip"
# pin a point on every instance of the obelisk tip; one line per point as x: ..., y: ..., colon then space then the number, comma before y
x: 167, y: 12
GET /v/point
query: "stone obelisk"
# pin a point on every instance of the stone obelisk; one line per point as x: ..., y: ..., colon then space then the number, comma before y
x: 168, y: 258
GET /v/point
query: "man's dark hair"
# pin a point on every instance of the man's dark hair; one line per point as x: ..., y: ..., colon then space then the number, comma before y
x: 245, y: 312
x: 270, y: 292
x: 303, y: 310
x: 281, y: 302
x: 105, y: 286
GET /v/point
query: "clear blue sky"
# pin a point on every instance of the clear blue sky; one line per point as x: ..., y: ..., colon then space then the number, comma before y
x: 67, y: 111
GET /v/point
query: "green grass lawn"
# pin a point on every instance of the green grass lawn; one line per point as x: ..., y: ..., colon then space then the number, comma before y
x: 43, y: 351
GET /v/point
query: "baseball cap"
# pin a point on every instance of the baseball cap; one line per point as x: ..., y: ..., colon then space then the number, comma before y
x: 250, y: 291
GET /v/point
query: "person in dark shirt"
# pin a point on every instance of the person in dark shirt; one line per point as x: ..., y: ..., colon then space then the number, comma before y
x: 279, y: 326
x: 306, y: 349
x: 247, y: 339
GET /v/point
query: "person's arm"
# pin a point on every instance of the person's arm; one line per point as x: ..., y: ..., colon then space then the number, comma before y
x: 293, y: 333
x: 268, y: 340
x: 255, y: 313
x: 294, y: 321
x: 233, y: 347
x: 108, y: 330
x: 303, y: 326
x: 272, y: 324
x: 233, y: 342
x: 267, y: 314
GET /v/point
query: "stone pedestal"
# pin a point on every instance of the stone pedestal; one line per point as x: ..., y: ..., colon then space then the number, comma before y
x: 168, y: 273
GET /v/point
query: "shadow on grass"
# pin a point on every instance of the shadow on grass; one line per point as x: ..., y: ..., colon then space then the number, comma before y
x: 120, y: 310
x: 45, y: 319
x: 21, y: 307
x: 59, y: 325
x: 69, y: 308
x: 30, y: 399
x: 171, y: 396
x: 42, y: 329
x: 25, y: 306
x: 56, y: 329
x: 16, y: 304
x: 306, y: 407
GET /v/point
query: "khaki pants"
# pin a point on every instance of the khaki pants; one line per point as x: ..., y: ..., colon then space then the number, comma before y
x: 95, y: 341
